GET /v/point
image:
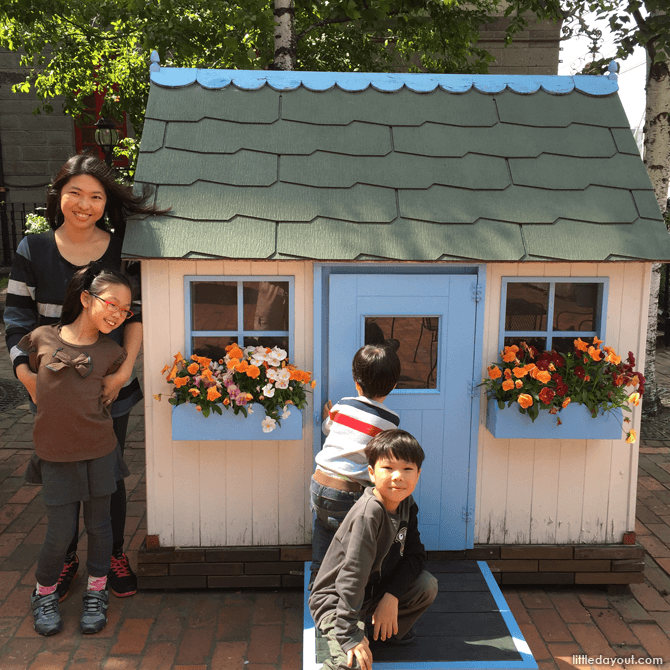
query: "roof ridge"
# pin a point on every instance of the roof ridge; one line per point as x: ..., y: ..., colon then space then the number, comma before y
x: 251, y: 80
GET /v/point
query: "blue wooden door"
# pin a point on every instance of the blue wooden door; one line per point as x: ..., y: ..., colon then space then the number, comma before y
x: 430, y: 319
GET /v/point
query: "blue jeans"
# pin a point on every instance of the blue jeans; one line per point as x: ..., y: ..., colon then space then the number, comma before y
x: 331, y: 506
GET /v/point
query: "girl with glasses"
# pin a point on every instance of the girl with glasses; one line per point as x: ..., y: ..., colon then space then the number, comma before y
x: 78, y: 456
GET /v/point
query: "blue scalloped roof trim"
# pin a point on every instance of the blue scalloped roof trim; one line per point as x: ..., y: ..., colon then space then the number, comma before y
x: 251, y: 80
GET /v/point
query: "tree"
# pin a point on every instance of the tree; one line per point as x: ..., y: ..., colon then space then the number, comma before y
x: 77, y: 47
x: 634, y: 23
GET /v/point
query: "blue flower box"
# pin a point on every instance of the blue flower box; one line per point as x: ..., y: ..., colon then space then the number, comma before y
x: 578, y: 424
x: 189, y: 424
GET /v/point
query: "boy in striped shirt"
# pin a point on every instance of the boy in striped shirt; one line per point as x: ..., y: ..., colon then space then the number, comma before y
x: 341, y: 473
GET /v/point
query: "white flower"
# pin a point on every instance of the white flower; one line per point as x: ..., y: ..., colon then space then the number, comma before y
x: 284, y: 375
x: 251, y: 411
x: 268, y: 390
x: 285, y: 413
x: 269, y: 424
x: 247, y: 350
x: 282, y: 384
x: 279, y: 353
x: 272, y: 374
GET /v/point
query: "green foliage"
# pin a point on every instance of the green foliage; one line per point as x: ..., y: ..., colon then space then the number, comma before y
x: 633, y: 23
x: 79, y: 47
x: 36, y: 223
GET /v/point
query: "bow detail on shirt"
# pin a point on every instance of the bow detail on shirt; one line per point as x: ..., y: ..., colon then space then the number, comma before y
x: 82, y: 363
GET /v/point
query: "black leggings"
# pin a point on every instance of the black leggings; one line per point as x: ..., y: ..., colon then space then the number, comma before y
x: 117, y: 505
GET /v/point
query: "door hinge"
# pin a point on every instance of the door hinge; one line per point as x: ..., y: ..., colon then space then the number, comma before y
x: 476, y: 292
x: 467, y: 513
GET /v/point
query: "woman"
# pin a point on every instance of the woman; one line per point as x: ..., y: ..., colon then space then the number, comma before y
x: 87, y: 211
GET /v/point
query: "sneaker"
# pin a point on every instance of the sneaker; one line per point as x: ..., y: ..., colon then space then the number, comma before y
x: 121, y: 578
x: 69, y: 572
x: 94, y: 617
x: 46, y: 613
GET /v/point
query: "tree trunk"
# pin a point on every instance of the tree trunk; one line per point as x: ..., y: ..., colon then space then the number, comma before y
x: 285, y: 44
x: 657, y: 162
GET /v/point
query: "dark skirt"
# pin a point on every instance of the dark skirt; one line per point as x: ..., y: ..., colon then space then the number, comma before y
x: 67, y: 482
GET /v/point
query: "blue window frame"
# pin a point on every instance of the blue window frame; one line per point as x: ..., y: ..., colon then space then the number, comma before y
x: 248, y: 310
x: 551, y: 312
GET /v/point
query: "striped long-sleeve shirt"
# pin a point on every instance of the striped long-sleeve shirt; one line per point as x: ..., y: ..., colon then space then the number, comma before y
x: 35, y: 295
x: 352, y: 423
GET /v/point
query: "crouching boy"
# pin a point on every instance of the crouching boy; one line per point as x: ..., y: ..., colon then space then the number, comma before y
x: 375, y: 563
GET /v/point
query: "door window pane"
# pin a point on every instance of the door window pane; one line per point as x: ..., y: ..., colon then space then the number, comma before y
x: 214, y: 305
x: 266, y: 305
x: 526, y: 307
x: 576, y: 306
x: 540, y: 343
x: 415, y: 340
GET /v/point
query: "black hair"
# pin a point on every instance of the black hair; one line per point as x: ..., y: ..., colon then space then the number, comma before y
x: 94, y: 278
x: 376, y: 369
x: 121, y: 203
x: 397, y: 444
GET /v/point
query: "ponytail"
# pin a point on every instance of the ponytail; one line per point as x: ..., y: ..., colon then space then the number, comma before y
x: 94, y: 278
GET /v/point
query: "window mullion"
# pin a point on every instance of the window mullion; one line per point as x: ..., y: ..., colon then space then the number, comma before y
x: 550, y: 315
x: 240, y: 313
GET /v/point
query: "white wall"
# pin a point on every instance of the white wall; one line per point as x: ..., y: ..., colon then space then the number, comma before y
x: 220, y: 493
x: 562, y: 491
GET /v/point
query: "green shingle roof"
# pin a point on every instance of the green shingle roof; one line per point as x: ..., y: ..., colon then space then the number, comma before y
x: 478, y: 172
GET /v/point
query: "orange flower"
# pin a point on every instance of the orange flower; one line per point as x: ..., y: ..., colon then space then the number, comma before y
x: 524, y: 400
x: 207, y: 374
x: 253, y: 371
x: 249, y: 396
x: 520, y: 372
x: 565, y: 403
x: 597, y: 342
x: 178, y: 357
x: 635, y: 381
x: 194, y: 392
x: 232, y: 363
x: 582, y: 346
x: 236, y: 352
x: 173, y: 373
x: 313, y: 383
x: 508, y: 373
x: 518, y: 383
x: 165, y: 369
x: 634, y: 398
x: 180, y: 381
x: 509, y: 353
x: 198, y: 408
x: 494, y: 372
x: 508, y: 385
x: 594, y: 353
x: 226, y: 401
x: 212, y: 393
x: 618, y: 380
x: 241, y: 366
x: 193, y: 368
x: 631, y: 436
x: 613, y: 358
x: 543, y: 376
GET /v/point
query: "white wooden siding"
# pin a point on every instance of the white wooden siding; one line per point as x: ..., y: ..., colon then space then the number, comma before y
x: 562, y: 491
x: 220, y: 493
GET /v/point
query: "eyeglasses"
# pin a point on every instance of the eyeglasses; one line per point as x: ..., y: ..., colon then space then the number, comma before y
x: 113, y: 307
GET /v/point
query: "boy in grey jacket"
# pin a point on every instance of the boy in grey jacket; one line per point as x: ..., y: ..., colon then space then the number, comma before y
x: 375, y: 564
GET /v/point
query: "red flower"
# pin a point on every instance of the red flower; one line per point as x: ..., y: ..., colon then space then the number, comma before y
x: 579, y: 372
x: 557, y: 378
x: 547, y: 395
x: 559, y: 361
x: 562, y: 389
x: 631, y: 358
x: 542, y: 363
x: 533, y: 352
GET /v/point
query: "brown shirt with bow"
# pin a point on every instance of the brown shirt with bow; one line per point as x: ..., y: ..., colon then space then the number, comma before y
x: 72, y: 423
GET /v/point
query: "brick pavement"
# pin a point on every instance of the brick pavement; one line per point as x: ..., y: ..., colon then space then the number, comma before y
x: 262, y: 630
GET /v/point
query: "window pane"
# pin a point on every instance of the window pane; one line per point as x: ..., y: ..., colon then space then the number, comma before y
x: 566, y: 344
x: 415, y: 339
x: 281, y: 342
x: 526, y: 307
x: 266, y: 305
x: 212, y: 347
x: 576, y: 306
x: 540, y: 343
x: 214, y: 305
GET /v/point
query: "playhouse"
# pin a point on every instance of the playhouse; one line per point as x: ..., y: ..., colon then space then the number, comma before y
x: 446, y: 214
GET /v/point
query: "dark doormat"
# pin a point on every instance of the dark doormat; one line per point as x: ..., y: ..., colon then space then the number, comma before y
x: 468, y: 626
